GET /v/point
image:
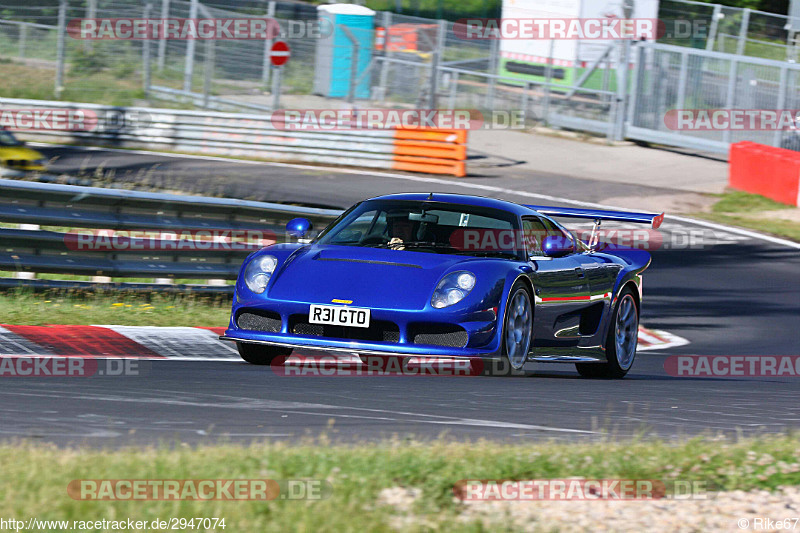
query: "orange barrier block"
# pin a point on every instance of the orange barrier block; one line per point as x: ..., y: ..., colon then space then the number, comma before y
x: 432, y: 151
x: 765, y: 170
x: 421, y: 134
x: 453, y: 168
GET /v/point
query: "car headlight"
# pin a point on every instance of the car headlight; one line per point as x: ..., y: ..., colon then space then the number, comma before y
x: 453, y: 288
x: 258, y: 272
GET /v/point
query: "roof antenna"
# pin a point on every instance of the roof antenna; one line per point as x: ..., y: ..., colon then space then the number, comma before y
x: 430, y: 196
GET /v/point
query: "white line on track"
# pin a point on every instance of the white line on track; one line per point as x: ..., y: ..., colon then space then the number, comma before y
x: 440, y: 181
x: 298, y: 408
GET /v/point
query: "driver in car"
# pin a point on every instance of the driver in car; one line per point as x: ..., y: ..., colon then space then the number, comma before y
x: 401, y: 229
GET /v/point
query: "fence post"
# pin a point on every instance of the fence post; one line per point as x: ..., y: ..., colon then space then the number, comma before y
x: 494, y: 51
x: 162, y: 41
x: 743, y: 32
x: 276, y: 87
x: 91, y: 13
x: 638, y: 81
x: 20, y: 274
x: 208, y: 72
x: 784, y: 81
x: 266, y: 62
x: 188, y: 71
x: 525, y: 89
x: 384, y: 76
x: 682, y: 79
x: 548, y: 79
x: 23, y: 36
x: 441, y: 34
x: 60, y: 51
x: 351, y: 92
x: 622, y: 91
x: 729, y: 98
x: 453, y: 90
x: 146, y: 55
x: 208, y: 62
x: 712, y: 31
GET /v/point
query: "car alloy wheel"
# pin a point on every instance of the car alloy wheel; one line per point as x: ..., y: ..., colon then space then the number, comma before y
x: 518, y: 326
x: 626, y: 332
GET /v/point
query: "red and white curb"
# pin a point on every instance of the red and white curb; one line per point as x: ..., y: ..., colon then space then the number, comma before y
x: 656, y: 339
x: 174, y: 343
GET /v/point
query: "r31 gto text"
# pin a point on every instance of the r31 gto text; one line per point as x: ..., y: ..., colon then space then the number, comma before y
x: 341, y: 316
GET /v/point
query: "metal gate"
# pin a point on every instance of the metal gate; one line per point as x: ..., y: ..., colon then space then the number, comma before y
x: 669, y: 78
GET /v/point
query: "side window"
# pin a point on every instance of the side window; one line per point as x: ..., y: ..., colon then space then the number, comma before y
x: 356, y: 230
x: 533, y: 231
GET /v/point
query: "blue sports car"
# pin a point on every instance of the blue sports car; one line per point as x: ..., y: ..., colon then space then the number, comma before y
x: 446, y: 275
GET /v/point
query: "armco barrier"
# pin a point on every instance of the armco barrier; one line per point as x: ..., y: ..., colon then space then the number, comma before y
x: 258, y: 136
x: 765, y: 170
x: 28, y: 250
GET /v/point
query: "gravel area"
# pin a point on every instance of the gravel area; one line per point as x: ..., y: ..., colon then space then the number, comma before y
x: 723, y: 511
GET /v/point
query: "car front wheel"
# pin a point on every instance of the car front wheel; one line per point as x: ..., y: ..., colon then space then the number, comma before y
x: 518, y: 326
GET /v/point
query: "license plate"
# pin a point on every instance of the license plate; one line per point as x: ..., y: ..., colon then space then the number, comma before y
x: 339, y: 315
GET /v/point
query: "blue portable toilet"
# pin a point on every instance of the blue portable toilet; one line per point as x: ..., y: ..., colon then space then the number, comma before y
x: 334, y: 57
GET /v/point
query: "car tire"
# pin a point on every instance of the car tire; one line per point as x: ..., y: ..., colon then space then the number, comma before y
x: 261, y: 354
x: 621, y: 341
x: 517, y: 326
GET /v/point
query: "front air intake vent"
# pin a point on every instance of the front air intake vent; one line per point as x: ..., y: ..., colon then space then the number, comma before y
x: 255, y: 320
x: 448, y: 335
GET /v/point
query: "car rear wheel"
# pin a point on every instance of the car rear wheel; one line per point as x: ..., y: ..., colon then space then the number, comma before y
x: 261, y: 354
x: 518, y: 326
x: 621, y: 341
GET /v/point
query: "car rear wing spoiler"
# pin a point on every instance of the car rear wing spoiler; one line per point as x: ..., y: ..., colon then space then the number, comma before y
x: 599, y: 214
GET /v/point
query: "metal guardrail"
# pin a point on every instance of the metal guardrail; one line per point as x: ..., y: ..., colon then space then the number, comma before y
x: 71, y: 207
x: 243, y: 135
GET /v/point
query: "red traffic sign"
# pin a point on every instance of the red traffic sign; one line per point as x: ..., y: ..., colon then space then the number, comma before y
x: 279, y: 53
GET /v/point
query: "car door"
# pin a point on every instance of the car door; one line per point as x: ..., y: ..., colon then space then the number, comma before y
x: 600, y: 271
x: 560, y: 290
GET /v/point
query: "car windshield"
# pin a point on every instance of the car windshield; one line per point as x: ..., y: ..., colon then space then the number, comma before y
x: 7, y: 139
x: 429, y: 227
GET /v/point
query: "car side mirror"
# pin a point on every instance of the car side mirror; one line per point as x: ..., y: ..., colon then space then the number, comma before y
x: 298, y: 227
x: 557, y: 246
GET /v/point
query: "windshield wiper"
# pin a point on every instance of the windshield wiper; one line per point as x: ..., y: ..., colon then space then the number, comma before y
x: 489, y: 253
x: 428, y: 244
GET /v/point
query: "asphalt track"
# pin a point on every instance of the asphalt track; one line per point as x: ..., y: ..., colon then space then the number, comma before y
x: 731, y: 295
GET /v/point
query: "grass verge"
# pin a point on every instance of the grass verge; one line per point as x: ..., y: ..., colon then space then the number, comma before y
x: 745, y: 210
x: 37, y: 476
x: 78, y: 307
